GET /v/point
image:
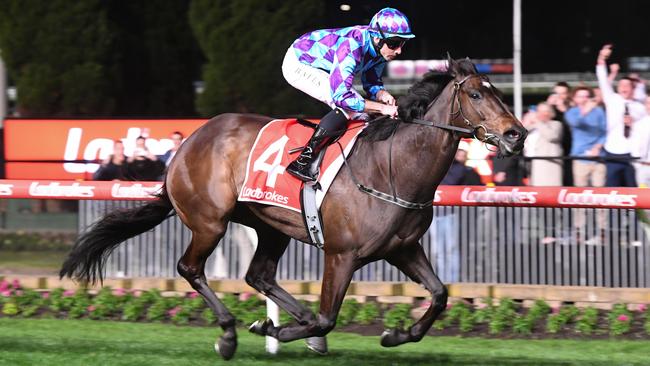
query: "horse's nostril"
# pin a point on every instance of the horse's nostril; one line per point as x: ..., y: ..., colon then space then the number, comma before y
x: 512, y: 135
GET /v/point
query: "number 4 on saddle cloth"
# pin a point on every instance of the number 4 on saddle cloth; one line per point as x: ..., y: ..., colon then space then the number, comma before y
x: 268, y: 183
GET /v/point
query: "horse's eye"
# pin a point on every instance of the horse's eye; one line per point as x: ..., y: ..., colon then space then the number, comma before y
x: 475, y: 95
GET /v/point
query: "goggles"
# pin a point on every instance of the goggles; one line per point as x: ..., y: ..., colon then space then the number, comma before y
x: 393, y: 42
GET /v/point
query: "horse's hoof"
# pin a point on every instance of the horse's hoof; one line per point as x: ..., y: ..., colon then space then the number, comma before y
x: 317, y: 344
x: 394, y: 337
x: 260, y: 327
x: 226, y: 347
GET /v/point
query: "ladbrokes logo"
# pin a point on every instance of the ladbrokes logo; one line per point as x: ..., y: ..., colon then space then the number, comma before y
x: 6, y: 189
x: 136, y: 190
x: 56, y: 189
x: 82, y: 144
x: 261, y: 195
x: 588, y: 198
x: 491, y: 195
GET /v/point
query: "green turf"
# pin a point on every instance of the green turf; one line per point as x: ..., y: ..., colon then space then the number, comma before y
x: 86, y: 342
x: 30, y: 262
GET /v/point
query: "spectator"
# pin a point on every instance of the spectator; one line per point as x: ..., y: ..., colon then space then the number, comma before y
x: 598, y: 99
x: 141, y: 151
x: 114, y: 167
x: 560, y: 98
x: 588, y: 130
x: 639, y: 87
x: 507, y: 171
x: 144, y: 165
x: 641, y: 146
x: 560, y: 101
x: 639, y: 93
x: 622, y: 110
x: 177, y: 139
x: 459, y: 173
x: 546, y: 172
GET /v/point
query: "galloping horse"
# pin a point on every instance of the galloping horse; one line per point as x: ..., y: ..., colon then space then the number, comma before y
x: 408, y: 157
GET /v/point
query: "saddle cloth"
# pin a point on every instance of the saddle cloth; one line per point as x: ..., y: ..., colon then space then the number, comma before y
x: 267, y: 181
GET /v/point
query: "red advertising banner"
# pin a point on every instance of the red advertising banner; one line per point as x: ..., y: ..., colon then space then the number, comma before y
x: 36, y: 149
x: 570, y: 197
x: 578, y: 197
x: 71, y: 190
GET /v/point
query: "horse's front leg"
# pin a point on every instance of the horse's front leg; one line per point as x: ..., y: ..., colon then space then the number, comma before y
x: 261, y: 276
x: 336, y: 279
x: 413, y: 262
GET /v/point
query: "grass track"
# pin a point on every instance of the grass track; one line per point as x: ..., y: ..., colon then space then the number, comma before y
x: 86, y: 342
x: 49, y: 262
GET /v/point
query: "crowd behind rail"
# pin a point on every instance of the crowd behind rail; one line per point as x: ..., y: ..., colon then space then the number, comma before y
x: 582, y: 136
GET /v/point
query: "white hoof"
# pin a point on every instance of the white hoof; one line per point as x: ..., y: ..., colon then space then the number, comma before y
x: 216, y: 348
x: 253, y: 326
x: 317, y: 344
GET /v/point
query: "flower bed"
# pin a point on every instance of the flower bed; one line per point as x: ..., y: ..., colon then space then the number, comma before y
x: 505, y: 319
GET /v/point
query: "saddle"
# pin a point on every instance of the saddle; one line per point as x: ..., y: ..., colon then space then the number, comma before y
x: 267, y: 182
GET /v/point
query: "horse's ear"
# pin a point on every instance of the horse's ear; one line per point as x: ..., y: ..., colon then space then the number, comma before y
x: 473, y: 65
x: 451, y: 64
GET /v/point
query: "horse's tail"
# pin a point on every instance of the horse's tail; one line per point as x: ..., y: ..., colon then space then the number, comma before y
x: 88, y: 256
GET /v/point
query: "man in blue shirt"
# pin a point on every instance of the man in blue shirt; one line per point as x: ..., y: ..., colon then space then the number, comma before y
x: 323, y: 64
x: 588, y: 130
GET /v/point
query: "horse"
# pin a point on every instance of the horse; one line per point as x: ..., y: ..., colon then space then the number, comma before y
x: 407, y: 156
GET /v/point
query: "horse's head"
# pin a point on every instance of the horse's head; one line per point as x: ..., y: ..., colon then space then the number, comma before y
x: 475, y: 104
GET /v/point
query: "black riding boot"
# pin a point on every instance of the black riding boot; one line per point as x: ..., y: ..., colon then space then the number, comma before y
x: 330, y: 127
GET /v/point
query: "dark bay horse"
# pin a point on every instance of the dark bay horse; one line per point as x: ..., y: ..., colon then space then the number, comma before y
x: 408, y: 159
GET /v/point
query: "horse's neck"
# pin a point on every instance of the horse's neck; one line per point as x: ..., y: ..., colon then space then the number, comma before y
x: 417, y: 158
x: 427, y: 153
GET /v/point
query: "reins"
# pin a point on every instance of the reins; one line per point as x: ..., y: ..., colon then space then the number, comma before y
x: 473, y: 130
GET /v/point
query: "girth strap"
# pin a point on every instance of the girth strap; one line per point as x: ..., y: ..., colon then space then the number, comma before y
x: 393, y: 199
x: 381, y: 195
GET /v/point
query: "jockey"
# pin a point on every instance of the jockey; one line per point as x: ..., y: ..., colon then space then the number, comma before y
x: 323, y: 64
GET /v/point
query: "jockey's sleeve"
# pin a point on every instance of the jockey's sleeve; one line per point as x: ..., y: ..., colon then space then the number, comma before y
x: 371, y: 80
x: 346, y: 58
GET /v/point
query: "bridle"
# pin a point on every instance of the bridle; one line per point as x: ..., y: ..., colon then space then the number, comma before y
x: 457, y: 111
x: 455, y: 99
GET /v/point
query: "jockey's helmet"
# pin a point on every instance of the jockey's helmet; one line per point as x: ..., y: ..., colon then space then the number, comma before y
x: 389, y: 23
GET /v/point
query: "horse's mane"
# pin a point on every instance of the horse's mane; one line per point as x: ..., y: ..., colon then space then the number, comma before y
x: 414, y: 104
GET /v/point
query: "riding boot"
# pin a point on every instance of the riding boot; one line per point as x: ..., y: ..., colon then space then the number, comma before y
x: 332, y: 125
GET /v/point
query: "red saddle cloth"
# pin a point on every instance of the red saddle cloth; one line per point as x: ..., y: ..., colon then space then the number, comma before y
x: 268, y: 182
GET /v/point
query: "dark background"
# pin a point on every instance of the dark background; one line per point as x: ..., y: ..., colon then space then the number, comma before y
x: 557, y: 36
x: 140, y: 58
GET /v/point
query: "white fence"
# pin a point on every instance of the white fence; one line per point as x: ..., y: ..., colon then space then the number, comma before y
x: 517, y: 245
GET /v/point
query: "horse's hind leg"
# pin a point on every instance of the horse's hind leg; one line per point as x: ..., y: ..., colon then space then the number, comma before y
x: 192, y: 267
x: 411, y: 260
x: 261, y: 276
